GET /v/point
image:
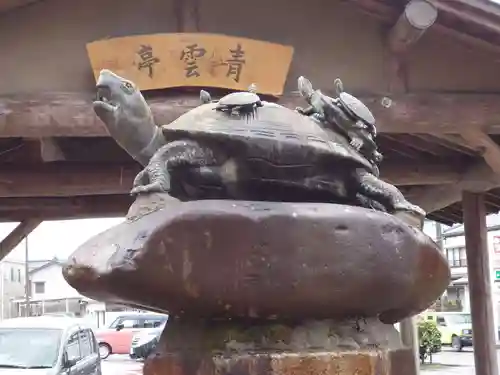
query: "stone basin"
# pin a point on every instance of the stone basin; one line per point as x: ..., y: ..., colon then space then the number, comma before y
x: 262, y: 260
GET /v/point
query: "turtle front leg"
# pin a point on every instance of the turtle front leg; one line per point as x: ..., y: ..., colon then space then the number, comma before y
x: 385, y: 193
x: 172, y: 155
x: 141, y: 179
x: 306, y: 111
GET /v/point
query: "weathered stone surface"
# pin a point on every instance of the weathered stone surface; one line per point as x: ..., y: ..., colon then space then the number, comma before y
x: 315, y: 347
x: 262, y: 260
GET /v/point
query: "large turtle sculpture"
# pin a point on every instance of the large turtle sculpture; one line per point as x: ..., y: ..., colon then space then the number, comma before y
x: 277, y: 149
x: 347, y: 114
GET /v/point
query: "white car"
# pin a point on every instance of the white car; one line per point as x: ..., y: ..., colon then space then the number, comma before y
x: 145, y: 341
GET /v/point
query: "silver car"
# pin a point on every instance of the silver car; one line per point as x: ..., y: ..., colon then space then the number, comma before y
x: 48, y: 346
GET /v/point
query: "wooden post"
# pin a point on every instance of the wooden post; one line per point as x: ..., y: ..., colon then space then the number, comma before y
x: 409, y: 337
x: 476, y: 244
x: 417, y: 17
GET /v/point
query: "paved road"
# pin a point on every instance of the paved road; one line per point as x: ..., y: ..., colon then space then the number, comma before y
x: 121, y: 365
x: 452, y: 363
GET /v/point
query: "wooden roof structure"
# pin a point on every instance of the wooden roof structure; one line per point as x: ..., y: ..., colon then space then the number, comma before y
x: 57, y: 160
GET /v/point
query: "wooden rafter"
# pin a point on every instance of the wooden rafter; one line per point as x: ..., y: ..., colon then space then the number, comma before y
x: 478, y: 178
x: 417, y: 17
x: 64, y: 208
x: 23, y: 229
x: 66, y: 180
x: 50, y: 150
x: 71, y: 114
x: 488, y: 148
x: 72, y: 179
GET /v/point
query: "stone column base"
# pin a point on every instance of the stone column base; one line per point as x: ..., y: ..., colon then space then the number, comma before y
x: 311, y: 348
x: 366, y: 362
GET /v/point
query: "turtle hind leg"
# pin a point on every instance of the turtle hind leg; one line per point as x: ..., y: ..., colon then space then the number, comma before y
x: 172, y: 155
x: 387, y: 194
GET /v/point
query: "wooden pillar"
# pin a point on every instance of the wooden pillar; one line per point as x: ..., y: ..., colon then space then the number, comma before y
x: 409, y: 337
x: 476, y: 243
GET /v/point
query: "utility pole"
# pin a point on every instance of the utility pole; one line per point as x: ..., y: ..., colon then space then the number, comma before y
x: 440, y: 243
x: 439, y: 236
x: 26, y: 277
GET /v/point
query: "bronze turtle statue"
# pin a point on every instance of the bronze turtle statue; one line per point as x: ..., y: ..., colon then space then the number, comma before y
x: 279, y: 148
x: 254, y: 159
x: 347, y: 114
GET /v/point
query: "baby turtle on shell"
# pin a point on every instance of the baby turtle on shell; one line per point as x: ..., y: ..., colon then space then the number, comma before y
x: 355, y: 107
x: 243, y: 103
x: 337, y: 114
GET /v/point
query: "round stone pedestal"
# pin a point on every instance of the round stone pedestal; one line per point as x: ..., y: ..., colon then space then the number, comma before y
x: 365, y: 347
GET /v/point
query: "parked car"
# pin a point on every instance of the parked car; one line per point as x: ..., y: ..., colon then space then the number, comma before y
x: 117, y: 338
x: 48, y: 346
x: 145, y: 341
x: 455, y: 328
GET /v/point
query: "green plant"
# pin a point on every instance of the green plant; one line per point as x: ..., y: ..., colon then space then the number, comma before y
x: 429, y: 339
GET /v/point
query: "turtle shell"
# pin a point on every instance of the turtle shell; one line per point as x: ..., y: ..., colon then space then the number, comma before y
x: 239, y: 98
x: 357, y: 108
x: 276, y: 134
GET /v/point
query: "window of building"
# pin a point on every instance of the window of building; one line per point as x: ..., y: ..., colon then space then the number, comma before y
x: 12, y: 274
x: 19, y: 275
x: 456, y: 256
x: 39, y: 287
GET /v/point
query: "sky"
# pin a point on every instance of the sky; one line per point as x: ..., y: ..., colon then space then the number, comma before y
x: 57, y: 238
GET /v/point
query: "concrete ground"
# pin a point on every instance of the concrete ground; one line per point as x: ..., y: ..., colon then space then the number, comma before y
x: 121, y: 365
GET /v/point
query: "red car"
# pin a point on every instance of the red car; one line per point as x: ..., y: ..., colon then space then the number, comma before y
x: 117, y: 338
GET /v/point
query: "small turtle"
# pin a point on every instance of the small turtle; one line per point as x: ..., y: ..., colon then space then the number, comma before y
x: 243, y: 103
x: 334, y: 112
x: 354, y: 107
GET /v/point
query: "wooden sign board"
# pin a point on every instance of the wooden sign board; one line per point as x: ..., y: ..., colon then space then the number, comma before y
x: 204, y: 60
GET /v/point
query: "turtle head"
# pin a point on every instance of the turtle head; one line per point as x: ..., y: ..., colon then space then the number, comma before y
x: 116, y: 94
x: 339, y: 86
x: 205, y: 97
x: 305, y: 87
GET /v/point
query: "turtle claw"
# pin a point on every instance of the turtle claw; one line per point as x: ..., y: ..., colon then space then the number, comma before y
x: 356, y: 144
x: 147, y: 189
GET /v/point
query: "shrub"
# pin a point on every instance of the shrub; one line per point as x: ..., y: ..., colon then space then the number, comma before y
x: 429, y: 339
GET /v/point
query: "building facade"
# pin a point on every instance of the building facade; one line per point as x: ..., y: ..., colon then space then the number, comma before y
x: 12, y: 287
x: 456, y: 297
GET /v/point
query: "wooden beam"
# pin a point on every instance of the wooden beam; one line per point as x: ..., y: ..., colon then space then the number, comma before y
x: 420, y: 174
x: 389, y: 14
x: 416, y: 18
x: 50, y: 150
x: 478, y: 268
x: 57, y: 179
x: 74, y: 179
x: 64, y: 208
x: 71, y: 114
x: 13, y: 239
x: 478, y: 178
x: 488, y: 148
